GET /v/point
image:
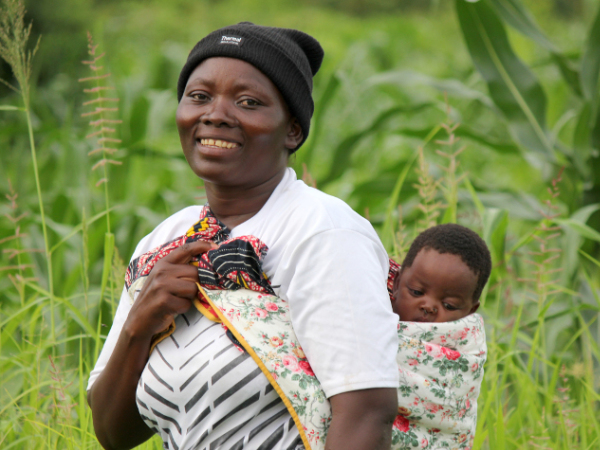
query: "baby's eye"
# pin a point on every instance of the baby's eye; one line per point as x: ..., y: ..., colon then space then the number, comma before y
x: 415, y: 292
x: 450, y: 307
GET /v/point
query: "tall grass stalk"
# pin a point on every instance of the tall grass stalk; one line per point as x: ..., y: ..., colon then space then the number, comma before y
x: 103, y: 135
x: 13, y: 49
x: 451, y: 179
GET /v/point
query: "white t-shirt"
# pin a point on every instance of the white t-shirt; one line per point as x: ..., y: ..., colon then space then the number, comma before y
x: 331, y: 267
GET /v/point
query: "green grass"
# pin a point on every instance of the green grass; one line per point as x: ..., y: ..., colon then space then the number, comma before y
x: 377, y: 103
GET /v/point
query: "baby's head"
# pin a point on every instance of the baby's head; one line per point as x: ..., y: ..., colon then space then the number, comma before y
x: 442, y: 276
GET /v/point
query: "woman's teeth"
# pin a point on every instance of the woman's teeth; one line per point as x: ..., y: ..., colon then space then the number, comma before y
x: 218, y: 143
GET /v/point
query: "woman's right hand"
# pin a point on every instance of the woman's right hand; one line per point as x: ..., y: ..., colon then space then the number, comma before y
x: 168, y: 291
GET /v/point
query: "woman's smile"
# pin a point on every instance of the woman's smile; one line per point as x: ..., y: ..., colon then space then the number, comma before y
x: 218, y: 143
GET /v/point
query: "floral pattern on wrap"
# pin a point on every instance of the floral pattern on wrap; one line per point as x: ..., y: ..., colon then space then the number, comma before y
x: 441, y: 369
x: 440, y: 365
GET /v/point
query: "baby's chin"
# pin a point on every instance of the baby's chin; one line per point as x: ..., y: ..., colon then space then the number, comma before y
x: 425, y: 319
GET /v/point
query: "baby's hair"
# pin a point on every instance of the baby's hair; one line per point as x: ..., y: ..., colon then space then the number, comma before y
x: 456, y: 240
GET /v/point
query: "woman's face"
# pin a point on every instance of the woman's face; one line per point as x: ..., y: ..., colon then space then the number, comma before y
x: 234, y: 126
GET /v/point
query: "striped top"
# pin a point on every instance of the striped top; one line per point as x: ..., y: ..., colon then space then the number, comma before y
x: 200, y: 391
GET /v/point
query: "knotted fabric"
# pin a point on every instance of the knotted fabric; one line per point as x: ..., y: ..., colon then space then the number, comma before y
x: 235, y: 264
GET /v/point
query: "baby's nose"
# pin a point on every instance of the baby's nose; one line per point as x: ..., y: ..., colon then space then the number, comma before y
x: 429, y: 308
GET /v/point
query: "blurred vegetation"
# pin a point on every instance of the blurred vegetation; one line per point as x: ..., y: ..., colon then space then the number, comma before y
x: 404, y: 87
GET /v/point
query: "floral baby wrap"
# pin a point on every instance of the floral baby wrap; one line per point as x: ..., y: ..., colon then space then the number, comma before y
x: 440, y: 364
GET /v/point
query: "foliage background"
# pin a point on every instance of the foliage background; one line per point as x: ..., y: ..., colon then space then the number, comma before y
x: 394, y: 71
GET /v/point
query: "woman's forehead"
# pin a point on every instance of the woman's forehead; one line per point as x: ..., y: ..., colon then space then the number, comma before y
x: 220, y: 66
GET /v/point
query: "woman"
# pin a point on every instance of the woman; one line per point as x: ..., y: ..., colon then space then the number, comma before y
x: 244, y: 106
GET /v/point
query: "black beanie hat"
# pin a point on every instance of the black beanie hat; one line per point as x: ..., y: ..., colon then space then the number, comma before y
x: 289, y: 58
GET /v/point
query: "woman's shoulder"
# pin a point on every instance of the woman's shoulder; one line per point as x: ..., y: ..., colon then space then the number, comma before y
x: 317, y: 206
x: 169, y: 229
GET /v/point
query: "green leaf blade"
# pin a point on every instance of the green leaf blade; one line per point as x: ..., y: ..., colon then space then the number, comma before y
x: 513, y: 87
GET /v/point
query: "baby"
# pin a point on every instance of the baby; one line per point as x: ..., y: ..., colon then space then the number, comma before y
x: 442, y: 276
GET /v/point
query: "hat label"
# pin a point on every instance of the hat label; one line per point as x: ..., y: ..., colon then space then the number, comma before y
x: 231, y: 40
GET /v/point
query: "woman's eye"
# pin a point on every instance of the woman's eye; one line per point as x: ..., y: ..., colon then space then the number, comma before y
x: 199, y: 96
x: 450, y: 307
x: 249, y: 102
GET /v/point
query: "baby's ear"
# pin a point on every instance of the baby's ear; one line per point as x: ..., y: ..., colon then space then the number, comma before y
x: 396, y: 284
x: 475, y: 307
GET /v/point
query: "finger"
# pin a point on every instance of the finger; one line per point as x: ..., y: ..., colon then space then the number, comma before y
x: 186, y: 271
x: 184, y: 289
x: 187, y: 251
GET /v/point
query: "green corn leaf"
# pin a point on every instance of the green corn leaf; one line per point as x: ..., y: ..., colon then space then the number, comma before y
x: 76, y: 229
x: 517, y: 16
x: 590, y: 257
x: 343, y: 152
x: 474, y: 197
x: 581, y: 139
x: 388, y: 225
x: 573, y: 240
x: 595, y: 135
x: 449, y: 214
x: 590, y: 63
x: 500, y: 430
x: 464, y: 131
x: 514, y: 89
x: 322, y: 105
x: 410, y: 79
x: 10, y: 108
x: 495, y: 225
x: 580, y: 227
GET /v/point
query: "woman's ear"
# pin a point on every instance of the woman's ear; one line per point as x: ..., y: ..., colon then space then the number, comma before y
x: 294, y: 136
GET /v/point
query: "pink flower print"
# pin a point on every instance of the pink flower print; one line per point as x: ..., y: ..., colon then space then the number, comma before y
x: 270, y: 306
x: 299, y: 352
x: 468, y: 404
x: 305, y: 366
x: 474, y: 367
x: 412, y: 362
x: 291, y: 363
x: 276, y: 341
x: 432, y: 407
x: 401, y: 423
x: 434, y: 350
x: 450, y: 354
x: 462, y: 413
x: 424, y: 443
x: 261, y: 313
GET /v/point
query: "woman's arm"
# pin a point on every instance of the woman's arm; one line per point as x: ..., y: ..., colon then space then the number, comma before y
x: 362, y: 420
x: 168, y: 291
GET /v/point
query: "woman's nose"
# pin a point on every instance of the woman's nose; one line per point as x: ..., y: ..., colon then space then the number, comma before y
x: 217, y: 114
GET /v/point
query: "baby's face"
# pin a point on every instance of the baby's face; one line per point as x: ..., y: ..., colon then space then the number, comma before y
x: 438, y: 287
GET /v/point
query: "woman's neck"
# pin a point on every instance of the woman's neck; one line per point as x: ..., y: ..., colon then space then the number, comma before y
x: 233, y: 205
